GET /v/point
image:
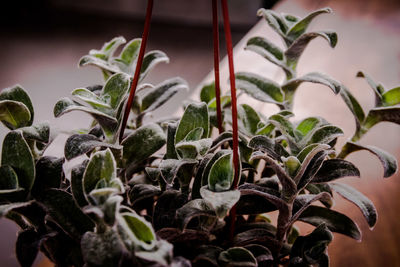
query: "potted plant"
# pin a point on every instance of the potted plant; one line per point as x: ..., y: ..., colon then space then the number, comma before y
x: 176, y: 192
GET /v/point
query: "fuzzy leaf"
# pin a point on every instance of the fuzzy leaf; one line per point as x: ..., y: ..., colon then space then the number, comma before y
x: 274, y: 20
x: 335, y: 221
x: 143, y: 142
x: 79, y: 144
x: 269, y: 146
x: 101, y: 166
x: 308, y: 124
x: 158, y: 95
x: 301, y: 26
x: 324, y: 135
x: 98, y: 62
x: 62, y: 208
x: 221, y: 202
x: 221, y: 174
x: 391, y: 97
x: 5, y: 208
x: 258, y: 87
x: 108, y: 49
x: 14, y: 114
x: 102, y: 249
x: 8, y: 179
x: 171, y: 130
x: 198, y: 209
x: 169, y: 168
x: 302, y: 202
x: 49, y: 172
x: 389, y: 162
x: 129, y: 55
x: 294, y: 52
x: 91, y: 98
x: 27, y: 247
x: 207, y: 92
x: 39, y: 132
x: 248, y: 119
x: 195, y: 115
x: 378, y: 89
x: 107, y: 123
x: 366, y: 206
x: 333, y: 169
x: 150, y: 60
x: 77, y: 185
x: 376, y: 115
x: 353, y: 105
x: 237, y: 256
x: 191, y: 149
x: 17, y: 154
x: 139, y: 232
x: 18, y: 94
x: 116, y: 88
x: 262, y: 254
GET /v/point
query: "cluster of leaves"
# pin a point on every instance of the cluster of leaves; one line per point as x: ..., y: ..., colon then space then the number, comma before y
x: 163, y: 195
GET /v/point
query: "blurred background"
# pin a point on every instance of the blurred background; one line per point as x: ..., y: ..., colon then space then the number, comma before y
x: 43, y: 40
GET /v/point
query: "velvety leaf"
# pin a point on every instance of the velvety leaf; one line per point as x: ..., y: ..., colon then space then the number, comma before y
x: 150, y: 60
x: 116, y: 88
x: 366, y: 206
x: 18, y: 94
x: 108, y: 48
x: 378, y: 89
x: 39, y: 132
x: 170, y: 167
x: 137, y: 229
x: 301, y: 26
x: 17, y: 154
x: 221, y: 202
x: 262, y: 254
x: 296, y: 49
x: 171, y: 130
x: 196, y: 209
x: 143, y: 142
x: 353, y: 105
x: 221, y: 174
x: 237, y: 256
x: 256, y: 236
x: 162, y: 254
x: 14, y: 114
x: 102, y: 249
x: 248, y: 119
x: 79, y: 144
x: 284, y: 125
x: 98, y: 62
x: 77, y: 185
x: 191, y: 149
x: 259, y: 87
x: 391, y: 97
x: 129, y: 55
x: 158, y: 95
x: 274, y: 20
x: 302, y: 202
x: 324, y: 135
x: 256, y: 199
x: 142, y: 193
x: 267, y: 45
x: 101, y: 166
x: 107, y: 123
x: 376, y: 115
x: 207, y: 92
x: 27, y: 247
x: 49, y: 173
x: 92, y: 99
x: 333, y: 169
x: 207, y: 255
x: 62, y: 208
x: 308, y: 124
x: 8, y: 178
x: 269, y: 146
x: 165, y: 210
x: 5, y: 208
x: 335, y: 221
x: 389, y: 162
x: 195, y: 115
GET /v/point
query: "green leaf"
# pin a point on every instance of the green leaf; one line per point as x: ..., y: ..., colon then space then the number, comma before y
x: 98, y: 62
x: 207, y: 92
x: 142, y: 143
x: 102, y: 249
x: 62, y: 209
x: 296, y: 49
x: 260, y: 88
x: 14, y: 114
x: 8, y: 178
x: 221, y: 174
x: 391, y: 97
x: 171, y: 130
x: 192, y: 149
x: 263, y: 43
x: 221, y: 202
x: 335, y: 221
x: 39, y: 132
x: 77, y: 185
x: 109, y: 48
x: 17, y: 154
x: 237, y: 256
x: 325, y: 135
x: 139, y: 232
x: 129, y: 55
x: 92, y: 99
x: 353, y: 105
x: 378, y: 89
x: 248, y: 119
x: 333, y: 169
x: 79, y: 144
x: 18, y: 94
x: 101, y: 166
x: 274, y: 20
x: 195, y: 115
x: 309, y: 124
x: 169, y: 168
x: 150, y: 60
x: 301, y: 26
x: 107, y: 123
x: 116, y: 89
x: 376, y: 115
x: 269, y: 146
x: 389, y: 162
x: 161, y: 93
x: 366, y: 206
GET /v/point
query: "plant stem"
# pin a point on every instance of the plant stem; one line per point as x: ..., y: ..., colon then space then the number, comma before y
x: 283, y: 225
x: 139, y: 63
x: 228, y: 39
x: 216, y: 63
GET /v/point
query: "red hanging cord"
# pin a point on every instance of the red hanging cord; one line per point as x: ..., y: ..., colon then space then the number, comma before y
x: 216, y: 63
x: 139, y: 63
x: 228, y: 40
